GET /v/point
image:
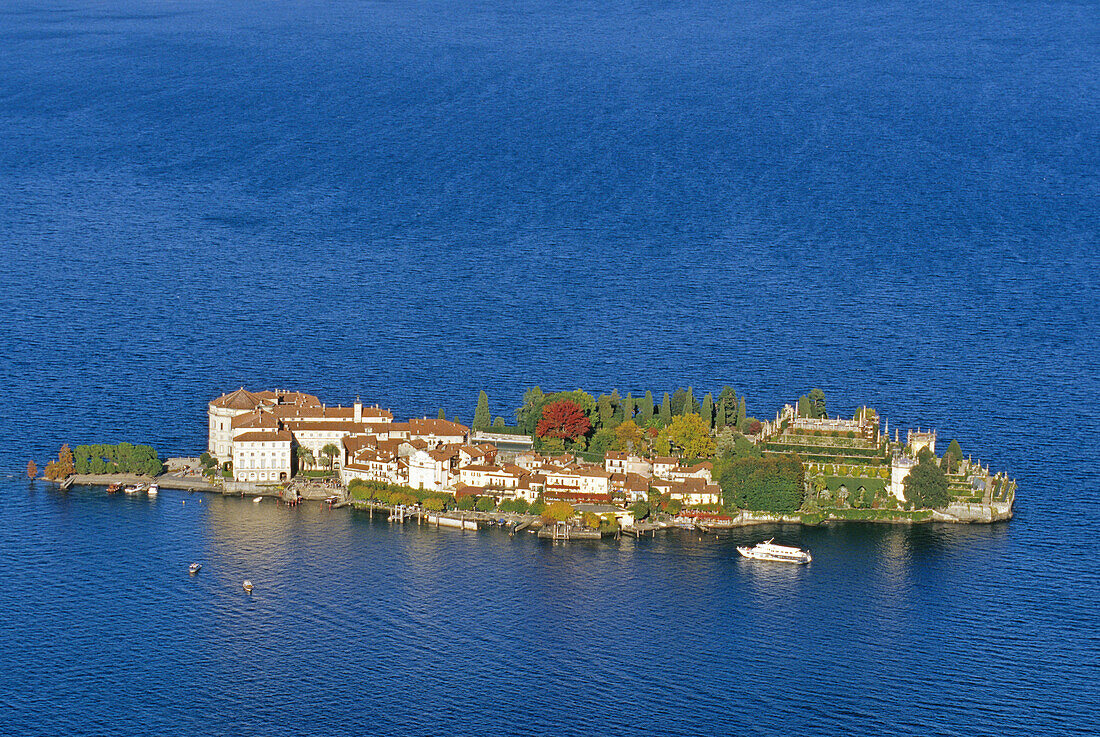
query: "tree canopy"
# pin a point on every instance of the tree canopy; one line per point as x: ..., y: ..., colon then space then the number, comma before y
x: 481, y: 413
x: 559, y: 511
x: 100, y: 458
x: 692, y: 435
x: 563, y: 419
x: 926, y: 484
x: 629, y: 437
x: 772, y: 484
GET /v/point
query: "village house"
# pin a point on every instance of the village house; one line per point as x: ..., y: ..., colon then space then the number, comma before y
x: 664, y: 465
x: 701, y: 470
x: 691, y: 492
x: 619, y: 462
x: 263, y: 456
x: 574, y: 482
x: 433, y: 470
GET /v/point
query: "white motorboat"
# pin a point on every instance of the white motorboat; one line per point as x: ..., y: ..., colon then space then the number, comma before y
x: 152, y: 490
x: 133, y: 489
x: 247, y: 586
x: 768, y: 550
x: 257, y: 500
x: 194, y: 568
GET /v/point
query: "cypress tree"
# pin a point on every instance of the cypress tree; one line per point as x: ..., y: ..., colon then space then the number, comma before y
x: 605, y: 410
x: 481, y: 414
x: 666, y: 410
x: 442, y: 415
x: 727, y: 406
x: 689, y: 403
x: 741, y: 412
x: 646, y: 410
x: 628, y: 407
x: 707, y: 410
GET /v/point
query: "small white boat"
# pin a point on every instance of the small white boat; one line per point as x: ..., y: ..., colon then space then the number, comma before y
x: 768, y: 550
x: 152, y: 490
x: 247, y: 585
x: 257, y: 500
x: 194, y: 568
x: 133, y: 489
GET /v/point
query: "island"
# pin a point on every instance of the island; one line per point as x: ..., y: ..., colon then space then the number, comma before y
x: 577, y: 466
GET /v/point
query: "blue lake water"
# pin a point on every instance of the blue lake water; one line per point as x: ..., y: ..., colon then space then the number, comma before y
x: 409, y: 202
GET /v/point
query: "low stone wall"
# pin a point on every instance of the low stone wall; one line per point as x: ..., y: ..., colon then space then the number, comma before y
x: 974, y: 513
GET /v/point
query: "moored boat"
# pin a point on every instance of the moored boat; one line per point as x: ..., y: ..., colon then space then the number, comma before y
x: 133, y: 489
x: 768, y: 550
x: 114, y: 488
x: 152, y: 490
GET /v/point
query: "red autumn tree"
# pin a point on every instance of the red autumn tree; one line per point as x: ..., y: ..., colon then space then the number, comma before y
x: 562, y: 419
x: 32, y: 469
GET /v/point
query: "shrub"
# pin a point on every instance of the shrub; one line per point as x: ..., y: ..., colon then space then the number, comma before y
x: 517, y: 506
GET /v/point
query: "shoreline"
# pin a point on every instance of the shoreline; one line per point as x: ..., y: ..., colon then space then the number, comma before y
x: 958, y: 513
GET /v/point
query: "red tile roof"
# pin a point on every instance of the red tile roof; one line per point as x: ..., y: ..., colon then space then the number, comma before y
x: 264, y: 436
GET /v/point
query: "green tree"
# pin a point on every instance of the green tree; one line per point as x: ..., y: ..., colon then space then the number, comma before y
x: 527, y: 416
x: 591, y: 520
x: 486, y: 504
x: 952, y: 457
x: 770, y: 484
x: 674, y: 506
x: 434, y: 504
x: 727, y: 407
x: 605, y: 410
x: 679, y: 401
x: 604, y: 439
x: 817, y: 403
x: 690, y: 405
x: 629, y: 405
x: 804, y: 408
x: 926, y: 484
x: 481, y: 414
x: 498, y: 423
x: 666, y: 410
x: 706, y: 410
x: 740, y: 419
x: 442, y: 414
x: 640, y: 510
x: 645, y: 408
x: 467, y: 502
